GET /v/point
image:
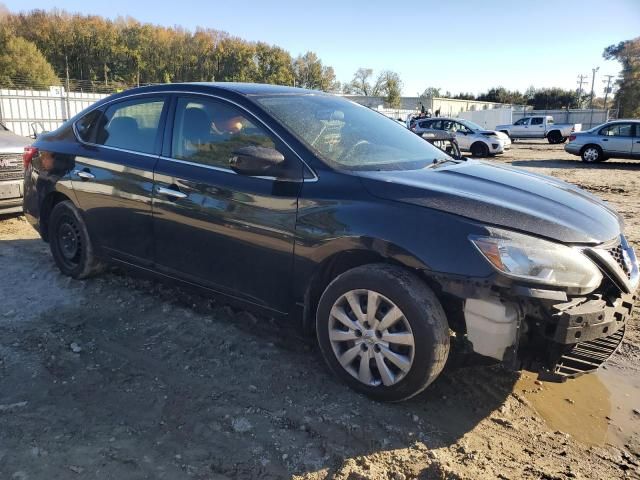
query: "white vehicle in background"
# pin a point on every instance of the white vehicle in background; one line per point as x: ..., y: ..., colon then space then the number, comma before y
x: 471, y: 137
x: 541, y: 126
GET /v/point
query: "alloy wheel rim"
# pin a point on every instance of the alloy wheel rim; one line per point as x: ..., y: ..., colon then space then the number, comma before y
x: 371, y: 338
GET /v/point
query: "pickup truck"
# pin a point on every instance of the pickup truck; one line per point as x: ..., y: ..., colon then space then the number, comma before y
x: 540, y: 127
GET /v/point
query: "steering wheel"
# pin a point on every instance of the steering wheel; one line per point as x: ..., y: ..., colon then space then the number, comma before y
x: 359, y: 144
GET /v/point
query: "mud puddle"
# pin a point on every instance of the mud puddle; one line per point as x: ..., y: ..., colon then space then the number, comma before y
x: 595, y: 409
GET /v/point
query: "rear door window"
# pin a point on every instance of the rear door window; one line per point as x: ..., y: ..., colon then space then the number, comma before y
x: 536, y: 121
x: 131, y: 125
x: 85, y: 127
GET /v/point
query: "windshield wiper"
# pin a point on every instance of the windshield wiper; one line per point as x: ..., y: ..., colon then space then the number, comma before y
x: 439, y: 161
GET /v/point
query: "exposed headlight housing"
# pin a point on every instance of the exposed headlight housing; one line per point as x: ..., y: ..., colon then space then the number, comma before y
x: 539, y: 261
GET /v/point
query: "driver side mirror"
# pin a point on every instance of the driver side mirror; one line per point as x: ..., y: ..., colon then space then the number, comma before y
x: 256, y: 161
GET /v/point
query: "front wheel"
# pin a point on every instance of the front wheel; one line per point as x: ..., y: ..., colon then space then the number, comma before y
x: 70, y: 243
x: 479, y: 149
x: 382, y: 330
x: 592, y: 154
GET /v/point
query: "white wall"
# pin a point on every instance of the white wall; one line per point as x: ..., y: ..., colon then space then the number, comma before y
x: 488, y: 118
x: 20, y: 108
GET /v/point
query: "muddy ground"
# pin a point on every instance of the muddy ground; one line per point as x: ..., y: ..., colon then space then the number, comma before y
x: 120, y: 377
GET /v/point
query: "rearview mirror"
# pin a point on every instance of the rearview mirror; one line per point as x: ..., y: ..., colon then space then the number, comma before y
x: 256, y: 161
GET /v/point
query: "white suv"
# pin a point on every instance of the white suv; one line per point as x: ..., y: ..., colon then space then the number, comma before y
x: 471, y: 137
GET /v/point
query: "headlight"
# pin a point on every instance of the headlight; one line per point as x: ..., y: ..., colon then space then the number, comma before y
x: 538, y: 261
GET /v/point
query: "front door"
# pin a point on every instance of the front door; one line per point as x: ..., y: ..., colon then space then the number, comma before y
x: 520, y: 129
x: 617, y: 138
x: 232, y: 233
x: 113, y: 174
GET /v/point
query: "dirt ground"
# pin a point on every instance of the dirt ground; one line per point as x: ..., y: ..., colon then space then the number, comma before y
x: 125, y: 378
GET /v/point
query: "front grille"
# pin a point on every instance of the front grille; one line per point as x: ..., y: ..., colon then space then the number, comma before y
x: 588, y: 356
x: 617, y: 253
x: 10, y: 166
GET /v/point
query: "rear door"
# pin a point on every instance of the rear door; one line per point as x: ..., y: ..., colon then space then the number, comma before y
x: 232, y: 233
x: 113, y: 175
x: 617, y: 138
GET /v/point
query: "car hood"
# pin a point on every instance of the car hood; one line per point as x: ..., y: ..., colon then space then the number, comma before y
x: 502, y: 196
x: 12, y: 143
x: 495, y: 133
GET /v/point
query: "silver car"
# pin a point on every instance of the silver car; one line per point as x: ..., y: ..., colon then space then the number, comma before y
x: 11, y: 170
x: 615, y: 139
x: 470, y: 136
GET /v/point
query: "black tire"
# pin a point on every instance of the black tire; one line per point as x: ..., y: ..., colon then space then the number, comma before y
x: 70, y: 243
x: 592, y: 154
x: 479, y: 149
x: 420, y: 308
x: 554, y: 137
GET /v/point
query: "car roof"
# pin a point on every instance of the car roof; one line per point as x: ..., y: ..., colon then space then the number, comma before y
x: 236, y: 87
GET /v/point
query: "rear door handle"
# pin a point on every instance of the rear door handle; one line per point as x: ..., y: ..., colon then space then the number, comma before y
x: 84, y: 174
x: 171, y: 192
x: 605, y: 139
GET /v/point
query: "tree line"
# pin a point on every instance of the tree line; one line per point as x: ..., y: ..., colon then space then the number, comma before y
x: 126, y: 52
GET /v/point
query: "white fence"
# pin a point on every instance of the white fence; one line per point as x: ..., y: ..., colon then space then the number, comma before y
x: 20, y: 109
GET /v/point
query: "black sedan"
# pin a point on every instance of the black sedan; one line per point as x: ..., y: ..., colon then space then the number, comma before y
x: 304, y: 204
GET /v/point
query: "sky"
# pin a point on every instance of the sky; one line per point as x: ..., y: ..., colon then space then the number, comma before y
x: 458, y: 46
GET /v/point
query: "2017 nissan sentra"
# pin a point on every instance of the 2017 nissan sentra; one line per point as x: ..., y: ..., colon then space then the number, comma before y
x: 304, y: 204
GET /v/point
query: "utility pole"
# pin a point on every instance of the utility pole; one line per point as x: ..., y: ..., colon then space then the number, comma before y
x: 593, y: 81
x: 66, y: 66
x: 581, y: 81
x: 607, y: 89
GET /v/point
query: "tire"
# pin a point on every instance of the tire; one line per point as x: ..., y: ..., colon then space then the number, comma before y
x: 421, y: 321
x: 479, y: 149
x: 554, y: 137
x: 592, y: 154
x: 70, y: 243
x: 563, y: 140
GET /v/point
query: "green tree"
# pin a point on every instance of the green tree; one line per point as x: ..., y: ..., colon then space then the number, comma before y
x: 389, y: 85
x: 361, y: 84
x: 274, y: 65
x: 628, y: 94
x: 22, y: 65
x: 310, y: 73
x: 431, y: 92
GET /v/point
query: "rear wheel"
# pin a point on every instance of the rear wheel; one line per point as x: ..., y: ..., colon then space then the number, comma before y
x: 479, y: 149
x: 554, y: 137
x: 592, y: 154
x: 70, y: 243
x: 382, y: 331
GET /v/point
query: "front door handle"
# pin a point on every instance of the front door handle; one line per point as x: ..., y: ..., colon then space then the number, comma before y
x: 171, y: 192
x: 605, y: 139
x: 84, y: 174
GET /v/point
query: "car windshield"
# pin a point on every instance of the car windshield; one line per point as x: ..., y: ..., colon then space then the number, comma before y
x: 471, y: 125
x: 348, y: 136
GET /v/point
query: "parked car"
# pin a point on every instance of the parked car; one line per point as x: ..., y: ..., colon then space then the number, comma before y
x: 11, y: 170
x: 445, y: 141
x: 540, y: 127
x: 304, y: 204
x: 470, y: 136
x: 616, y: 139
